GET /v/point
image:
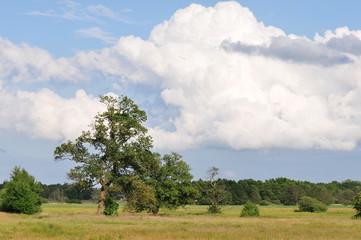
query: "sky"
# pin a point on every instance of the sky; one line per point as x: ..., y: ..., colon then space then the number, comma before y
x: 258, y: 88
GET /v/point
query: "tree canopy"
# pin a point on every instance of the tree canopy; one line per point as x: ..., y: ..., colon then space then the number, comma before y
x: 116, y: 147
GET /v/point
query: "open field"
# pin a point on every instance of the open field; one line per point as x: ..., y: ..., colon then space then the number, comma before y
x: 73, y: 221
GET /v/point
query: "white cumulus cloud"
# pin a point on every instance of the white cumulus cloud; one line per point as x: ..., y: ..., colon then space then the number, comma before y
x: 234, y: 82
x: 290, y: 94
x: 24, y: 63
x: 44, y: 114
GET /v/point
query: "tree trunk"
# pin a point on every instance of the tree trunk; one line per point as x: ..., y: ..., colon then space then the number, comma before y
x: 101, y: 202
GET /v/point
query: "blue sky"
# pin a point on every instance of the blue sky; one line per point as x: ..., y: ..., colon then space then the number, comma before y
x: 260, y: 89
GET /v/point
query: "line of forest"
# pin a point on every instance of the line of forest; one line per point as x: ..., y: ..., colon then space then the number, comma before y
x: 273, y: 191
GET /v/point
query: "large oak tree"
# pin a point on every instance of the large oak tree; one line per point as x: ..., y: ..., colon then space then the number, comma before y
x: 114, y: 150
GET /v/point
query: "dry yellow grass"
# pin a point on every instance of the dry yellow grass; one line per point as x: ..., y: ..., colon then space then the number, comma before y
x: 62, y: 221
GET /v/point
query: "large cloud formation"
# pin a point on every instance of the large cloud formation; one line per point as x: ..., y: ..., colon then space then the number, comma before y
x: 234, y: 81
x: 44, y: 114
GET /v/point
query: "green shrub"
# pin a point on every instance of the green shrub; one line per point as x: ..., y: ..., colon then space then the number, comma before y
x: 111, y: 207
x: 309, y: 204
x: 21, y: 194
x: 264, y: 203
x: 357, y: 205
x: 212, y: 209
x: 140, y: 197
x: 250, y: 210
x: 76, y: 201
x: 276, y: 201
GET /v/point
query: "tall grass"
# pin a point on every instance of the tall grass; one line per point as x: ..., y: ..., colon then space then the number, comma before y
x: 74, y: 221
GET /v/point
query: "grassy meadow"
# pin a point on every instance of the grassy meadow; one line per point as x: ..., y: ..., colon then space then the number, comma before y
x: 78, y: 221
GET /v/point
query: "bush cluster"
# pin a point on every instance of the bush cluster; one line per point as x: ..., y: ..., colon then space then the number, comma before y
x: 111, y: 207
x: 250, y: 209
x: 213, y: 209
x: 309, y: 204
x: 264, y: 203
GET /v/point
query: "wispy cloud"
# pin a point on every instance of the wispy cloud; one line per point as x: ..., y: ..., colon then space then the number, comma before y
x: 71, y: 10
x: 68, y: 15
x: 98, y: 15
x: 2, y: 150
x: 70, y: 3
x: 102, y: 11
x: 97, y: 33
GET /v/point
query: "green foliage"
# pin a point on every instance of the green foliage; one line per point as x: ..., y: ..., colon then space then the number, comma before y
x: 255, y: 195
x: 76, y: 201
x: 58, y: 195
x: 21, y: 194
x: 173, y: 183
x: 309, y: 204
x: 213, y: 209
x: 264, y: 203
x: 140, y: 197
x: 357, y: 205
x: 276, y: 202
x: 62, y: 192
x: 238, y: 192
x: 284, y: 191
x: 321, y: 194
x: 291, y: 194
x: 250, y: 209
x: 345, y: 196
x: 169, y: 185
x: 111, y: 206
x: 115, y: 148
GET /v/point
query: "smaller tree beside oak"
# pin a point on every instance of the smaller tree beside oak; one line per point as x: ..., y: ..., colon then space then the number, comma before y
x: 169, y: 185
x: 173, y: 183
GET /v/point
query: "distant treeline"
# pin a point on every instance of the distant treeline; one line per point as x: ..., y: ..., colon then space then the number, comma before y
x: 274, y: 191
x: 285, y: 191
